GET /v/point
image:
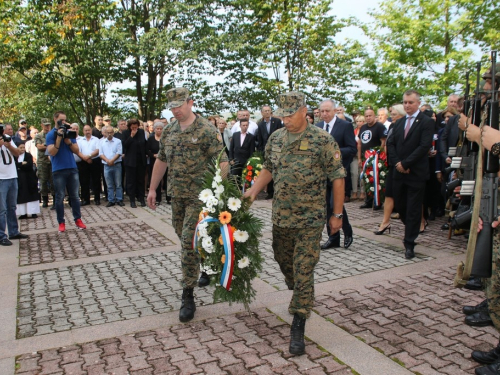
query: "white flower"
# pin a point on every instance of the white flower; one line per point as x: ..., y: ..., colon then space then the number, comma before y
x: 212, y: 201
x: 207, y: 244
x: 219, y: 189
x: 382, y: 174
x: 214, y: 184
x: 210, y: 209
x: 240, y: 236
x: 381, y: 181
x: 380, y: 165
x: 202, y: 229
x: 259, y: 166
x: 243, y: 262
x: 234, y: 204
x: 371, y: 173
x: 372, y: 189
x: 218, y: 178
x: 367, y: 179
x: 205, y: 194
x: 209, y: 271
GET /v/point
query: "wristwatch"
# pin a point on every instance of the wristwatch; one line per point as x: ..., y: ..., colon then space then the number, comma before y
x: 495, y: 149
x: 338, y: 216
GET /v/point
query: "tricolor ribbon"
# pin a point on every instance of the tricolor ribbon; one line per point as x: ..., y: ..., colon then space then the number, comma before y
x: 374, y: 163
x: 228, y: 243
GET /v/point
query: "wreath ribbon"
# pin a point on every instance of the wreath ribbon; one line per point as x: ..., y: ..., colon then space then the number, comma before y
x: 374, y: 164
x: 228, y: 243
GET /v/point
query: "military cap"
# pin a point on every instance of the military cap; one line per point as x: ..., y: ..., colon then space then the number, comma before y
x: 106, y: 118
x: 289, y: 103
x: 177, y: 96
x: 45, y: 121
x: 487, y: 74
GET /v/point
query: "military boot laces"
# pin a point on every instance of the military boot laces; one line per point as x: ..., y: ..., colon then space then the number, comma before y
x: 297, y: 345
x: 188, y: 307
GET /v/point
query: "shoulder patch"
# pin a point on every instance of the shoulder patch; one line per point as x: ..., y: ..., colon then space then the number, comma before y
x: 337, y: 155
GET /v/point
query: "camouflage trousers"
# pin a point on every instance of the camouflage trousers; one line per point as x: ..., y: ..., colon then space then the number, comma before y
x: 493, y: 284
x: 297, y: 253
x: 45, y: 178
x: 185, y: 212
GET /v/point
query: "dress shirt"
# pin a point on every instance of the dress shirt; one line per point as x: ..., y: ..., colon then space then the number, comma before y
x: 252, y: 127
x: 413, y: 117
x: 88, y: 146
x: 110, y: 149
x: 331, y: 124
x: 242, y: 138
x: 78, y: 140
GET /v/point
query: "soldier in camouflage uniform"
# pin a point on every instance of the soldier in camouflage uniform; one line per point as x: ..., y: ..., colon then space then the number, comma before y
x: 43, y: 164
x: 187, y: 146
x: 300, y: 158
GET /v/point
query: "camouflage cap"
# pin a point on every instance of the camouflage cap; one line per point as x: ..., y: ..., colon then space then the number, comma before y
x: 487, y: 74
x: 177, y: 96
x: 289, y: 103
x: 45, y: 121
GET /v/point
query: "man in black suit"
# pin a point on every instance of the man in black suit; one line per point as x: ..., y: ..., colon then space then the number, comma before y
x: 241, y: 148
x: 134, y: 148
x: 266, y: 127
x: 343, y: 132
x: 408, y: 147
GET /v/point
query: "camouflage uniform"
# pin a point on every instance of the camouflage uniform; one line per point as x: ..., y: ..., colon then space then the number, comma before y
x: 44, y: 167
x: 300, y: 169
x: 188, y: 154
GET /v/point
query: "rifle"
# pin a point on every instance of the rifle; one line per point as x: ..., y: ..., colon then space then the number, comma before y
x: 488, y: 211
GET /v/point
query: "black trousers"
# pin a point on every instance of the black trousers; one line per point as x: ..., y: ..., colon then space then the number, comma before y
x: 135, y: 182
x: 90, y: 175
x: 408, y: 200
x: 346, y: 226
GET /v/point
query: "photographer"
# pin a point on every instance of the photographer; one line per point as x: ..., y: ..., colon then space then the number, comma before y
x: 8, y: 190
x: 61, y: 145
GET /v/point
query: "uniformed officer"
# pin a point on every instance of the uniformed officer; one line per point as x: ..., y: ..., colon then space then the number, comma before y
x: 43, y: 164
x: 300, y: 158
x: 187, y: 146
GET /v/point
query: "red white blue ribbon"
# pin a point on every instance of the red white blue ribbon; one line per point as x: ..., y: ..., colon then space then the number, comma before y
x: 228, y: 243
x: 376, y: 193
x: 207, y: 219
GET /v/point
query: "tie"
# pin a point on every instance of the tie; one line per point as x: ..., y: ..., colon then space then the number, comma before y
x: 408, y: 125
x: 328, y: 128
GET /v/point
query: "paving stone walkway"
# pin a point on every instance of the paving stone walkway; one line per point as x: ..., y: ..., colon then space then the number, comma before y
x: 105, y: 301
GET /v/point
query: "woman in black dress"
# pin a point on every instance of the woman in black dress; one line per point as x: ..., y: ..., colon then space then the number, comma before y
x: 28, y: 199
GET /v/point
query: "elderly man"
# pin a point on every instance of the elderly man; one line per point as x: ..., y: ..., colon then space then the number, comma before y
x: 187, y: 146
x: 383, y: 117
x: 110, y: 151
x: 244, y: 114
x: 341, y: 111
x: 300, y: 159
x: 90, y: 166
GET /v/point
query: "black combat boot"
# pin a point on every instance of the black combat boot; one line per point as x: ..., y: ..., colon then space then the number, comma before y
x: 204, y: 280
x: 487, y: 358
x: 297, y: 345
x: 469, y: 310
x: 493, y: 369
x: 45, y: 200
x: 186, y: 313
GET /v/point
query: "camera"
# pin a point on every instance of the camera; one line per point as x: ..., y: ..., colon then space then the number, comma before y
x: 67, y: 132
x: 5, y: 137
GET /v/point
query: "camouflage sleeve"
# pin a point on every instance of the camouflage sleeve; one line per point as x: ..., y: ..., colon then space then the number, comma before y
x: 38, y: 140
x: 163, y: 140
x: 332, y: 160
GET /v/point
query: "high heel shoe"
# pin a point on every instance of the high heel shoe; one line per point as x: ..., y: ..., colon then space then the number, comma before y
x: 379, y: 232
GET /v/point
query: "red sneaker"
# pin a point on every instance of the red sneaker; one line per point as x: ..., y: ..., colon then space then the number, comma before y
x: 79, y: 224
x: 62, y: 227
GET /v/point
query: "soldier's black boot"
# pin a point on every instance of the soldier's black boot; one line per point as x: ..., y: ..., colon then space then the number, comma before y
x: 487, y: 358
x: 469, y: 310
x: 297, y: 345
x: 493, y: 369
x: 45, y: 200
x: 204, y: 280
x: 188, y: 307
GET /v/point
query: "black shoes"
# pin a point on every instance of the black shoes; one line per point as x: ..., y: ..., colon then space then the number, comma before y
x: 143, y: 204
x: 377, y: 208
x: 5, y: 242
x: 487, y: 358
x: 297, y: 345
x: 22, y: 217
x: 379, y: 232
x: 479, y: 319
x: 18, y: 236
x: 445, y: 226
x: 132, y: 204
x: 347, y: 241
x: 97, y: 202
x: 493, y: 369
x: 120, y: 203
x: 84, y: 203
x: 188, y: 307
x: 331, y: 243
x: 474, y: 283
x: 469, y: 310
x: 409, y: 252
x: 45, y: 200
x: 204, y: 280
x: 110, y: 204
x: 366, y: 205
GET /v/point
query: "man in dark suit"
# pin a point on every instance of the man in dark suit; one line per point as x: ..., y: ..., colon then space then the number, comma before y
x: 134, y: 148
x: 266, y: 127
x: 241, y: 148
x: 408, y: 148
x: 343, y: 132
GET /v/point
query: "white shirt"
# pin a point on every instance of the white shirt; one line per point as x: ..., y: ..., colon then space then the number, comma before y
x: 77, y: 158
x: 387, y: 124
x: 88, y: 146
x: 110, y: 149
x: 414, y: 116
x: 31, y: 148
x: 330, y: 124
x: 8, y: 168
x: 252, y: 127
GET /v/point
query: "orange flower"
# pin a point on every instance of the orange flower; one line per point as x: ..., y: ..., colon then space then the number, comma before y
x: 220, y: 240
x: 248, y: 178
x: 225, y: 217
x: 223, y: 258
x: 249, y: 168
x: 202, y: 215
x: 233, y: 229
x: 249, y: 173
